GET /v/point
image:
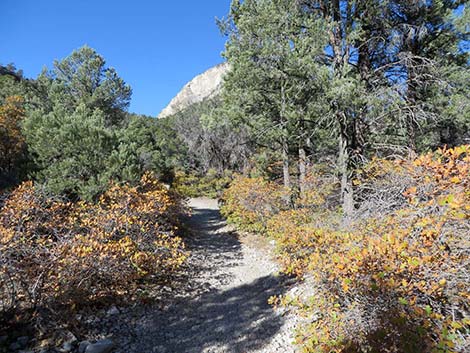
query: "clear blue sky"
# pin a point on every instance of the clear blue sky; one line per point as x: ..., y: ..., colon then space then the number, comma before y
x: 156, y: 46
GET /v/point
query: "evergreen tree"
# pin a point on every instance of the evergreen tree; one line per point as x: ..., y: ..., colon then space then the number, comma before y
x: 370, y: 72
x: 71, y: 150
x: 273, y: 84
x: 425, y: 52
x: 143, y: 145
x: 75, y: 132
x: 83, y: 78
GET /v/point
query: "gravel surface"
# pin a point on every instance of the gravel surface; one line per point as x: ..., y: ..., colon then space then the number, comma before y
x: 224, y: 305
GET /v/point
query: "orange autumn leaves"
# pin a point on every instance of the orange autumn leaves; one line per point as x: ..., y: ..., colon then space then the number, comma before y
x: 396, y: 280
x: 251, y: 202
x: 56, y: 253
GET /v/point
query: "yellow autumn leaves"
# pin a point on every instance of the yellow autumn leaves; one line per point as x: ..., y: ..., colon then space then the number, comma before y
x: 70, y: 253
x: 395, y: 280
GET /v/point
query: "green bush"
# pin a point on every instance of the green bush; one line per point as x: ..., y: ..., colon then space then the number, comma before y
x: 211, y: 185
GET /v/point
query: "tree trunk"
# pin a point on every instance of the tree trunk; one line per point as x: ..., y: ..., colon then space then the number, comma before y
x: 285, y: 164
x: 411, y: 127
x: 302, y: 169
x: 411, y: 100
x: 285, y: 143
x: 411, y: 123
x: 309, y: 145
x: 347, y: 192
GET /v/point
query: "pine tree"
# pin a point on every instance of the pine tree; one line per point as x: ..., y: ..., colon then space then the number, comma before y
x: 84, y: 78
x: 74, y: 133
x: 273, y: 83
x: 369, y: 72
x: 71, y: 150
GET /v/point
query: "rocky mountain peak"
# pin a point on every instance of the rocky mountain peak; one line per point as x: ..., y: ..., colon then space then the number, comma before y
x: 199, y: 88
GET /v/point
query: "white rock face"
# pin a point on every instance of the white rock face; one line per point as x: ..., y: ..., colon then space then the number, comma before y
x: 202, y: 86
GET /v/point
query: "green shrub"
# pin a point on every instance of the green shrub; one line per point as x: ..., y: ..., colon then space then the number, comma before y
x: 209, y: 185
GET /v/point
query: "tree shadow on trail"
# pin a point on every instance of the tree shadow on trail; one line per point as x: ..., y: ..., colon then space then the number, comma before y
x: 236, y: 319
x: 211, y: 238
x: 205, y: 219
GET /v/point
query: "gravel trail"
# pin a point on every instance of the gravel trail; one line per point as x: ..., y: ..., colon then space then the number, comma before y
x: 225, y: 306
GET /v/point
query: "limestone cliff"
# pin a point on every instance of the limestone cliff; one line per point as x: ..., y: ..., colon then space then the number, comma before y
x: 202, y: 86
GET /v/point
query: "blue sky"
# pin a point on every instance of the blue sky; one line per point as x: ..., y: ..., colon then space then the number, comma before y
x: 156, y: 46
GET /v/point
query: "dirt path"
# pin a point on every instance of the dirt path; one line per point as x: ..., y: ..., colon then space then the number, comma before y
x: 225, y: 308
